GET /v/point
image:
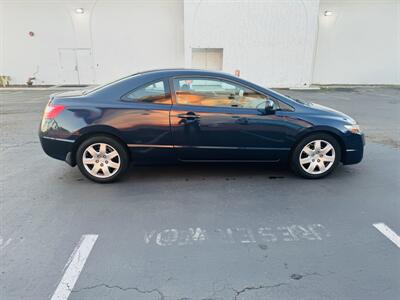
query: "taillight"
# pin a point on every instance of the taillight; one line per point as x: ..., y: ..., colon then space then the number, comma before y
x: 52, y: 111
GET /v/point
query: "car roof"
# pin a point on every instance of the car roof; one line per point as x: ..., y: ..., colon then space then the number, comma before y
x: 145, y: 76
x: 176, y: 71
x: 128, y: 83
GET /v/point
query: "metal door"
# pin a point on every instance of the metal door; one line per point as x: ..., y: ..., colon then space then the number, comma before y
x: 76, y: 66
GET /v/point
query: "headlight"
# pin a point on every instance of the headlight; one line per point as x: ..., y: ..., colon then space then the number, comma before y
x: 353, y: 128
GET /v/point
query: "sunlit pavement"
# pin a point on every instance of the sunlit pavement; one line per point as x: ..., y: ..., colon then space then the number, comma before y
x: 201, y: 232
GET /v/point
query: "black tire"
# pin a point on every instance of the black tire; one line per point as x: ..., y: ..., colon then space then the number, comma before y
x: 295, y: 159
x: 121, y: 150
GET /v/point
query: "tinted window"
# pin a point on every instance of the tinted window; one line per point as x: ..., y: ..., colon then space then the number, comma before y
x: 284, y: 106
x: 215, y: 92
x: 150, y: 93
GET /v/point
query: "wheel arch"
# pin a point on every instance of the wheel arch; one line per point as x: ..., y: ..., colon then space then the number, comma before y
x: 93, y: 131
x: 336, y: 134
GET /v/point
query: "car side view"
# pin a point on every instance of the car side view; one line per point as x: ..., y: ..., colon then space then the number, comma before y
x: 194, y: 116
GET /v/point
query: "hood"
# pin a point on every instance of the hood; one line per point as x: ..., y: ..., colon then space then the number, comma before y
x: 331, y: 112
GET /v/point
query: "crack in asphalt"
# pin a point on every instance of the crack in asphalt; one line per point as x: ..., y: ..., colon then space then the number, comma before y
x: 238, y: 293
x: 162, y: 297
x: 251, y: 288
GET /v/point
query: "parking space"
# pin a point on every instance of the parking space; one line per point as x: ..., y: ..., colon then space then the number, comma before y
x: 200, y: 231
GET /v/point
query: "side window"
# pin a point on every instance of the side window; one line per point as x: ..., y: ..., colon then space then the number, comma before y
x: 283, y: 106
x: 217, y: 93
x: 149, y: 93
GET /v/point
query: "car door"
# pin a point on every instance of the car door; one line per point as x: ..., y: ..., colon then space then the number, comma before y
x: 218, y: 119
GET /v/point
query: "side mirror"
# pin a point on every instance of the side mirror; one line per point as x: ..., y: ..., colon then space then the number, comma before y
x: 267, y: 107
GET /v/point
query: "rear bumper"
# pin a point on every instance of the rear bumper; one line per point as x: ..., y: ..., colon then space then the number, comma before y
x: 57, y: 148
x: 354, y: 149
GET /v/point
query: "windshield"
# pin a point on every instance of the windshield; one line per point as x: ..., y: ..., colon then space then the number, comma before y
x: 290, y: 97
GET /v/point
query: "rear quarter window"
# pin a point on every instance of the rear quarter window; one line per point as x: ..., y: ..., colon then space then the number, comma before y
x: 154, y: 92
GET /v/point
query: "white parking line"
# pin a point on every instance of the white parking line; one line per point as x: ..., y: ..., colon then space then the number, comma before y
x: 389, y: 233
x: 3, y: 244
x: 74, y: 266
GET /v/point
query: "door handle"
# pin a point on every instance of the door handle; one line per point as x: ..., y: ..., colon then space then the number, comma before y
x: 241, y: 120
x: 187, y: 116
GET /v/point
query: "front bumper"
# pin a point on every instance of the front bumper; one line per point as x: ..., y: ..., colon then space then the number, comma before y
x: 354, y: 148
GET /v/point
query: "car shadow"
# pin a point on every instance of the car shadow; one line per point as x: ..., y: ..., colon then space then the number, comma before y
x: 148, y: 174
x: 193, y: 171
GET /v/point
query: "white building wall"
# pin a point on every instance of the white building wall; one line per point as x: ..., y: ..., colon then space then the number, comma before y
x: 24, y: 56
x: 124, y: 37
x: 359, y: 43
x: 277, y: 43
x: 138, y: 35
x: 2, y: 45
x: 271, y: 42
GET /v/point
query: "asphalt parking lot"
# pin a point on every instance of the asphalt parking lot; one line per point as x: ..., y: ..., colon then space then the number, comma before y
x: 201, y: 232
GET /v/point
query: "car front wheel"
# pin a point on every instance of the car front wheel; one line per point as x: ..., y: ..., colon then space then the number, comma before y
x: 102, y: 159
x: 316, y: 156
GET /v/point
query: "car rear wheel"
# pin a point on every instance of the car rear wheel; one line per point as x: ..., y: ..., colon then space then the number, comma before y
x: 316, y: 156
x: 102, y: 159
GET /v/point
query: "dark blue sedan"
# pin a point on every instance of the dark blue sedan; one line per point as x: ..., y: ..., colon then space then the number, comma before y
x: 194, y: 116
